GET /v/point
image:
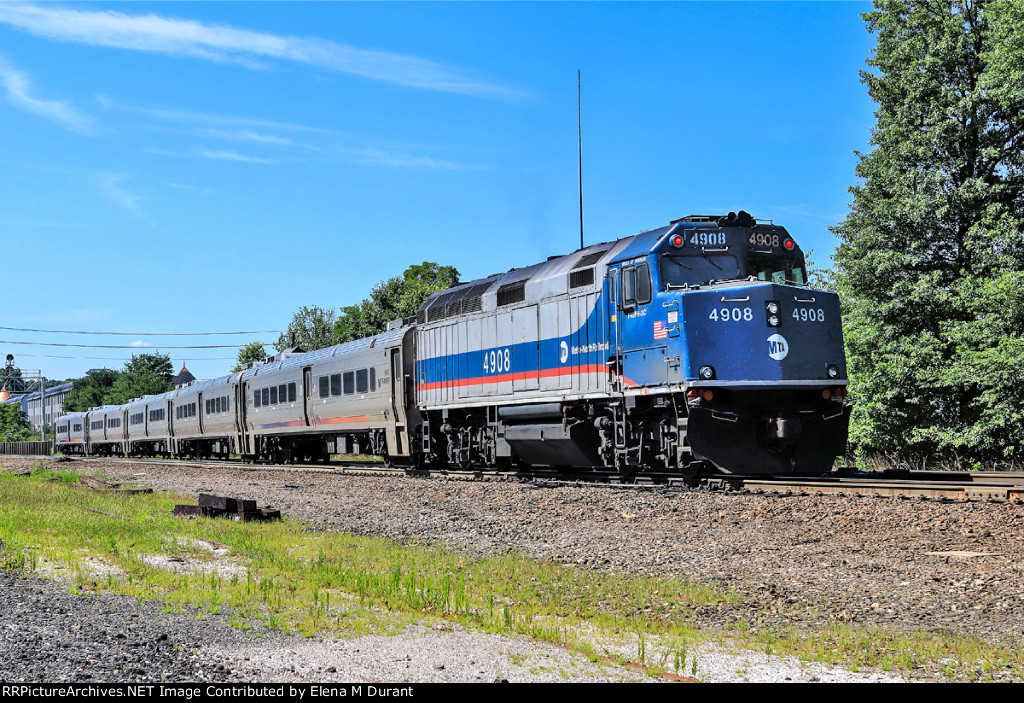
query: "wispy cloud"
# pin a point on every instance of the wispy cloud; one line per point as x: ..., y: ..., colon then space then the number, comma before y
x: 250, y: 136
x: 228, y: 155
x: 20, y: 93
x: 140, y: 344
x: 110, y: 186
x: 376, y: 157
x: 309, y: 142
x: 182, y: 186
x: 215, y: 42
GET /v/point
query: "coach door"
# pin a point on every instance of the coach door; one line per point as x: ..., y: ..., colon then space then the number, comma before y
x: 395, y: 431
x: 307, y: 395
x: 241, y: 408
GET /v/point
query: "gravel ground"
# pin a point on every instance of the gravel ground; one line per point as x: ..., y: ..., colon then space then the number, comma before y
x: 799, y: 561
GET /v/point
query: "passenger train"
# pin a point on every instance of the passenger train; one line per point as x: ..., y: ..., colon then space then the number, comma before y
x: 695, y: 347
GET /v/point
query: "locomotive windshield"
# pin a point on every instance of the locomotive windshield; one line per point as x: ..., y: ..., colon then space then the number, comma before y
x: 699, y: 268
x: 771, y: 267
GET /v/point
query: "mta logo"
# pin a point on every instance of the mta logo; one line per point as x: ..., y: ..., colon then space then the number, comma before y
x: 778, y: 347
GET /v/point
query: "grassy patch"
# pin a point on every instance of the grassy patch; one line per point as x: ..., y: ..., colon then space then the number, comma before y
x: 291, y: 577
x: 288, y: 576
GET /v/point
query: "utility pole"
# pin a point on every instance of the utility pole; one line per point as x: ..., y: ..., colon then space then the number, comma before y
x: 579, y: 135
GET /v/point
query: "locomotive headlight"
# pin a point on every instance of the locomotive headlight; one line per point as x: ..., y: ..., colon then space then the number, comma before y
x: 773, y: 320
x: 707, y: 372
x: 772, y: 307
x: 833, y: 371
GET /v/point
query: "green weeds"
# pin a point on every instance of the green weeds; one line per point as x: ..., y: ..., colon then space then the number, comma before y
x: 289, y: 577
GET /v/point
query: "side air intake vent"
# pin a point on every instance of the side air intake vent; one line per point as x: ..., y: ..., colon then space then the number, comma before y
x: 511, y: 293
x: 581, y: 278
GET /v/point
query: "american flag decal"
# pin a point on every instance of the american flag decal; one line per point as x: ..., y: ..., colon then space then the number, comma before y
x: 660, y: 330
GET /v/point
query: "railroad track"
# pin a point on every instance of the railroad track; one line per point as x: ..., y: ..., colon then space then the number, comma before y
x: 935, y: 485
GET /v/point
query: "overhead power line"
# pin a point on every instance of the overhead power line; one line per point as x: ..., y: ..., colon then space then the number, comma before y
x: 115, y: 358
x: 142, y: 334
x: 128, y: 346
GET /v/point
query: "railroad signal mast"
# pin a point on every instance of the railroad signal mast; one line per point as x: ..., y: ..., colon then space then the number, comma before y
x: 13, y: 383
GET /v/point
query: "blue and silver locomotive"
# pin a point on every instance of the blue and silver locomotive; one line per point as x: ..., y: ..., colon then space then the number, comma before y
x: 692, y: 347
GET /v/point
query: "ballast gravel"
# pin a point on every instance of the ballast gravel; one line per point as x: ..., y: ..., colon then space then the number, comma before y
x: 799, y: 562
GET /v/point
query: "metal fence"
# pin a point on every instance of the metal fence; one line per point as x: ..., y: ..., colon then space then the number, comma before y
x: 29, y: 448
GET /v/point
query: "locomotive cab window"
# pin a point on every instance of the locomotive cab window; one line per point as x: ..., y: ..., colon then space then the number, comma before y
x: 643, y: 284
x: 770, y: 267
x: 636, y: 286
x: 628, y: 288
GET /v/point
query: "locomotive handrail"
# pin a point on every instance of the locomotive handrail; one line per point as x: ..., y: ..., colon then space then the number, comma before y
x: 803, y: 300
x: 735, y: 300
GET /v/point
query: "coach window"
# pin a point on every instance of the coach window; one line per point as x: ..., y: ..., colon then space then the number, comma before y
x: 350, y: 386
x: 373, y: 379
x: 324, y: 387
x: 362, y: 381
x: 282, y: 392
x: 291, y: 392
x: 256, y: 398
x: 273, y: 395
x: 335, y: 384
x: 266, y: 396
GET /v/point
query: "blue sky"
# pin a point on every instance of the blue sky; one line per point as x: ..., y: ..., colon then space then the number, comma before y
x: 212, y: 167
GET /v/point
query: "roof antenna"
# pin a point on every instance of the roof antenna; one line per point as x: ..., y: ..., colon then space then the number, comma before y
x: 579, y: 134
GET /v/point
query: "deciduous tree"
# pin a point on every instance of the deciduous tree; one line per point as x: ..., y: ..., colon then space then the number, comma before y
x: 931, y: 261
x: 393, y: 299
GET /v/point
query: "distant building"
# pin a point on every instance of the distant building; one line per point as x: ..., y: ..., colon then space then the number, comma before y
x: 31, y: 404
x: 183, y: 378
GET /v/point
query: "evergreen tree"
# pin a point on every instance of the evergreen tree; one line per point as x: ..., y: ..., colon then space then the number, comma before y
x: 931, y: 261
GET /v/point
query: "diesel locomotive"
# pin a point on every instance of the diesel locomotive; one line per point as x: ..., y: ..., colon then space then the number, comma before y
x: 695, y: 347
